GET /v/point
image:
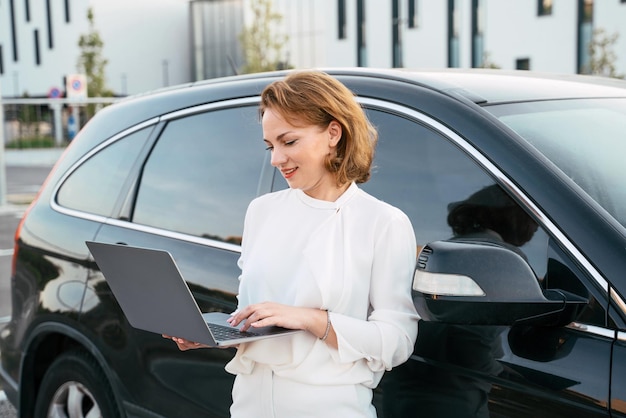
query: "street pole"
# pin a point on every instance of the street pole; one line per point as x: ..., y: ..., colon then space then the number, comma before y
x: 3, y: 171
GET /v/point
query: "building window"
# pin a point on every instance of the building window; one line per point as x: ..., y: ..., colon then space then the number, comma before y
x: 67, y: 11
x: 522, y: 64
x: 1, y: 61
x: 49, y: 21
x: 585, y: 34
x: 341, y: 19
x: 360, y: 34
x: 36, y: 40
x: 412, y: 18
x: 478, y: 47
x: 27, y: 9
x: 396, y: 34
x: 13, y: 29
x: 453, y: 34
x: 544, y: 7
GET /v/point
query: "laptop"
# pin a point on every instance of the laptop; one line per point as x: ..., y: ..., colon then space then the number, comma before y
x: 154, y: 297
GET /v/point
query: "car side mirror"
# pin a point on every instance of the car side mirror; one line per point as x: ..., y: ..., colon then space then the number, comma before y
x: 471, y: 282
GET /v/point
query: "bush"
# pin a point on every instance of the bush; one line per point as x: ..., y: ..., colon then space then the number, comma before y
x: 32, y: 142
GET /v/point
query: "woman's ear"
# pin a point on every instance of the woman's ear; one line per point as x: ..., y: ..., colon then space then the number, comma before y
x: 334, y: 132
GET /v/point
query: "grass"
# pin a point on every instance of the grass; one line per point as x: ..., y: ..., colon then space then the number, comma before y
x: 32, y: 142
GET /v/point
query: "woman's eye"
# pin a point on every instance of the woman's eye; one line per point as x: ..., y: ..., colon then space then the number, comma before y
x: 269, y: 149
x: 290, y: 142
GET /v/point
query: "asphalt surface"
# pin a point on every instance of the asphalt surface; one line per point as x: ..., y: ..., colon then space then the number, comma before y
x: 25, y: 172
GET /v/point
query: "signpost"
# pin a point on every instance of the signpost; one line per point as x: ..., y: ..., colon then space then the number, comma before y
x: 75, y: 88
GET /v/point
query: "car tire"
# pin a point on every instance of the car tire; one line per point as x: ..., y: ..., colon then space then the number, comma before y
x: 75, y: 386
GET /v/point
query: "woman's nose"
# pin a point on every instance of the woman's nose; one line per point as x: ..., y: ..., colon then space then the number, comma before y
x: 278, y: 157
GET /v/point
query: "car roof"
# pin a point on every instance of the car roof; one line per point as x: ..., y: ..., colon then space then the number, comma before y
x: 482, y: 86
x: 494, y: 86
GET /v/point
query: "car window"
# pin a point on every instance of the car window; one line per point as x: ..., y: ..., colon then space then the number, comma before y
x: 95, y: 186
x: 584, y: 138
x: 441, y: 189
x: 202, y: 174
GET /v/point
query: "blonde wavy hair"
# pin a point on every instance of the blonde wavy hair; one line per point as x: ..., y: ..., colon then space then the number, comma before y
x: 316, y: 98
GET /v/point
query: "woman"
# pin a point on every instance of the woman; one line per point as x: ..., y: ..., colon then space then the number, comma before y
x: 322, y: 256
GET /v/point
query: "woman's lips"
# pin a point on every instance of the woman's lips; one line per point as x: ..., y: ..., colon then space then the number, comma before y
x: 288, y: 173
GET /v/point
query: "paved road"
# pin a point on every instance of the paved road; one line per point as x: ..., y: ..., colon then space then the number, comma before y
x: 25, y: 173
x: 22, y: 185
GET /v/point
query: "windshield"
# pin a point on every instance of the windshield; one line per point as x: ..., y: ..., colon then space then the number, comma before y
x: 586, y: 139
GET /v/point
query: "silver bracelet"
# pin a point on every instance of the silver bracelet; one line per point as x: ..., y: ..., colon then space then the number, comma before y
x: 327, y: 326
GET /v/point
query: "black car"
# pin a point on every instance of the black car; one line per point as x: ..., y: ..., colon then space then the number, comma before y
x: 514, y: 183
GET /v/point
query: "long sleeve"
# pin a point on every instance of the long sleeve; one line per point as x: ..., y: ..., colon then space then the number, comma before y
x: 387, y: 337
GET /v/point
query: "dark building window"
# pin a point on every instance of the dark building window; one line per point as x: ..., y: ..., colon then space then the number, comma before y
x: 360, y: 34
x: 396, y: 34
x: 49, y: 21
x: 477, y: 34
x: 585, y: 34
x: 412, y: 18
x: 453, y: 34
x: 36, y: 40
x: 522, y: 64
x: 341, y: 19
x: 67, y: 11
x: 13, y: 32
x: 544, y: 7
x: 27, y: 9
x: 1, y: 61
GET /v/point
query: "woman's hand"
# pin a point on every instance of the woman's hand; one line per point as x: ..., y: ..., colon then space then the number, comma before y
x: 184, y: 345
x: 266, y: 314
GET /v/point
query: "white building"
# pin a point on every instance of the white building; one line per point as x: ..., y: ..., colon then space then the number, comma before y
x: 156, y: 43
x: 146, y: 43
x: 541, y: 35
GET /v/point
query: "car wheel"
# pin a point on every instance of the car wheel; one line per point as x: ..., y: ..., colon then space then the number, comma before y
x: 75, y: 387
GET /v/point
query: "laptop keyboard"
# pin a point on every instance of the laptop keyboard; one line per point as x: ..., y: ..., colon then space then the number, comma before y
x: 222, y: 333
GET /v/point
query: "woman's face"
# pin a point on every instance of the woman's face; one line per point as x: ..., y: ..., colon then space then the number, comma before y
x: 299, y: 153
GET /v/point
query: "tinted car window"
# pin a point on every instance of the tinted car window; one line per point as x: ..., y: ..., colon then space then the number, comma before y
x: 95, y: 186
x: 202, y: 173
x: 584, y: 138
x: 437, y: 179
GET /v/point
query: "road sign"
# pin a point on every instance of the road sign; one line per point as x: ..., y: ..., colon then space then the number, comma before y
x: 76, y: 86
x: 54, y: 93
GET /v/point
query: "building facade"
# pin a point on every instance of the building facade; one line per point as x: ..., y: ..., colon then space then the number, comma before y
x: 540, y: 35
x: 146, y: 44
x: 157, y: 43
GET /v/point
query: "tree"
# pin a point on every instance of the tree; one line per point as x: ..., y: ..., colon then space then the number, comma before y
x: 262, y: 46
x: 487, y: 63
x: 91, y: 62
x: 601, y: 56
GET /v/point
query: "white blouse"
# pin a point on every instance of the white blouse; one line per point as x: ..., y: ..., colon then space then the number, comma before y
x: 355, y: 257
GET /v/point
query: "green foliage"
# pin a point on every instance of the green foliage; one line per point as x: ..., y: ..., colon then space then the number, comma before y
x: 92, y: 63
x: 32, y: 142
x: 262, y: 46
x: 601, y: 56
x: 487, y: 63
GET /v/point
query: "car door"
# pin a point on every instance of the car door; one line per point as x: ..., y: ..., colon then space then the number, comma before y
x: 190, y: 198
x: 479, y: 371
